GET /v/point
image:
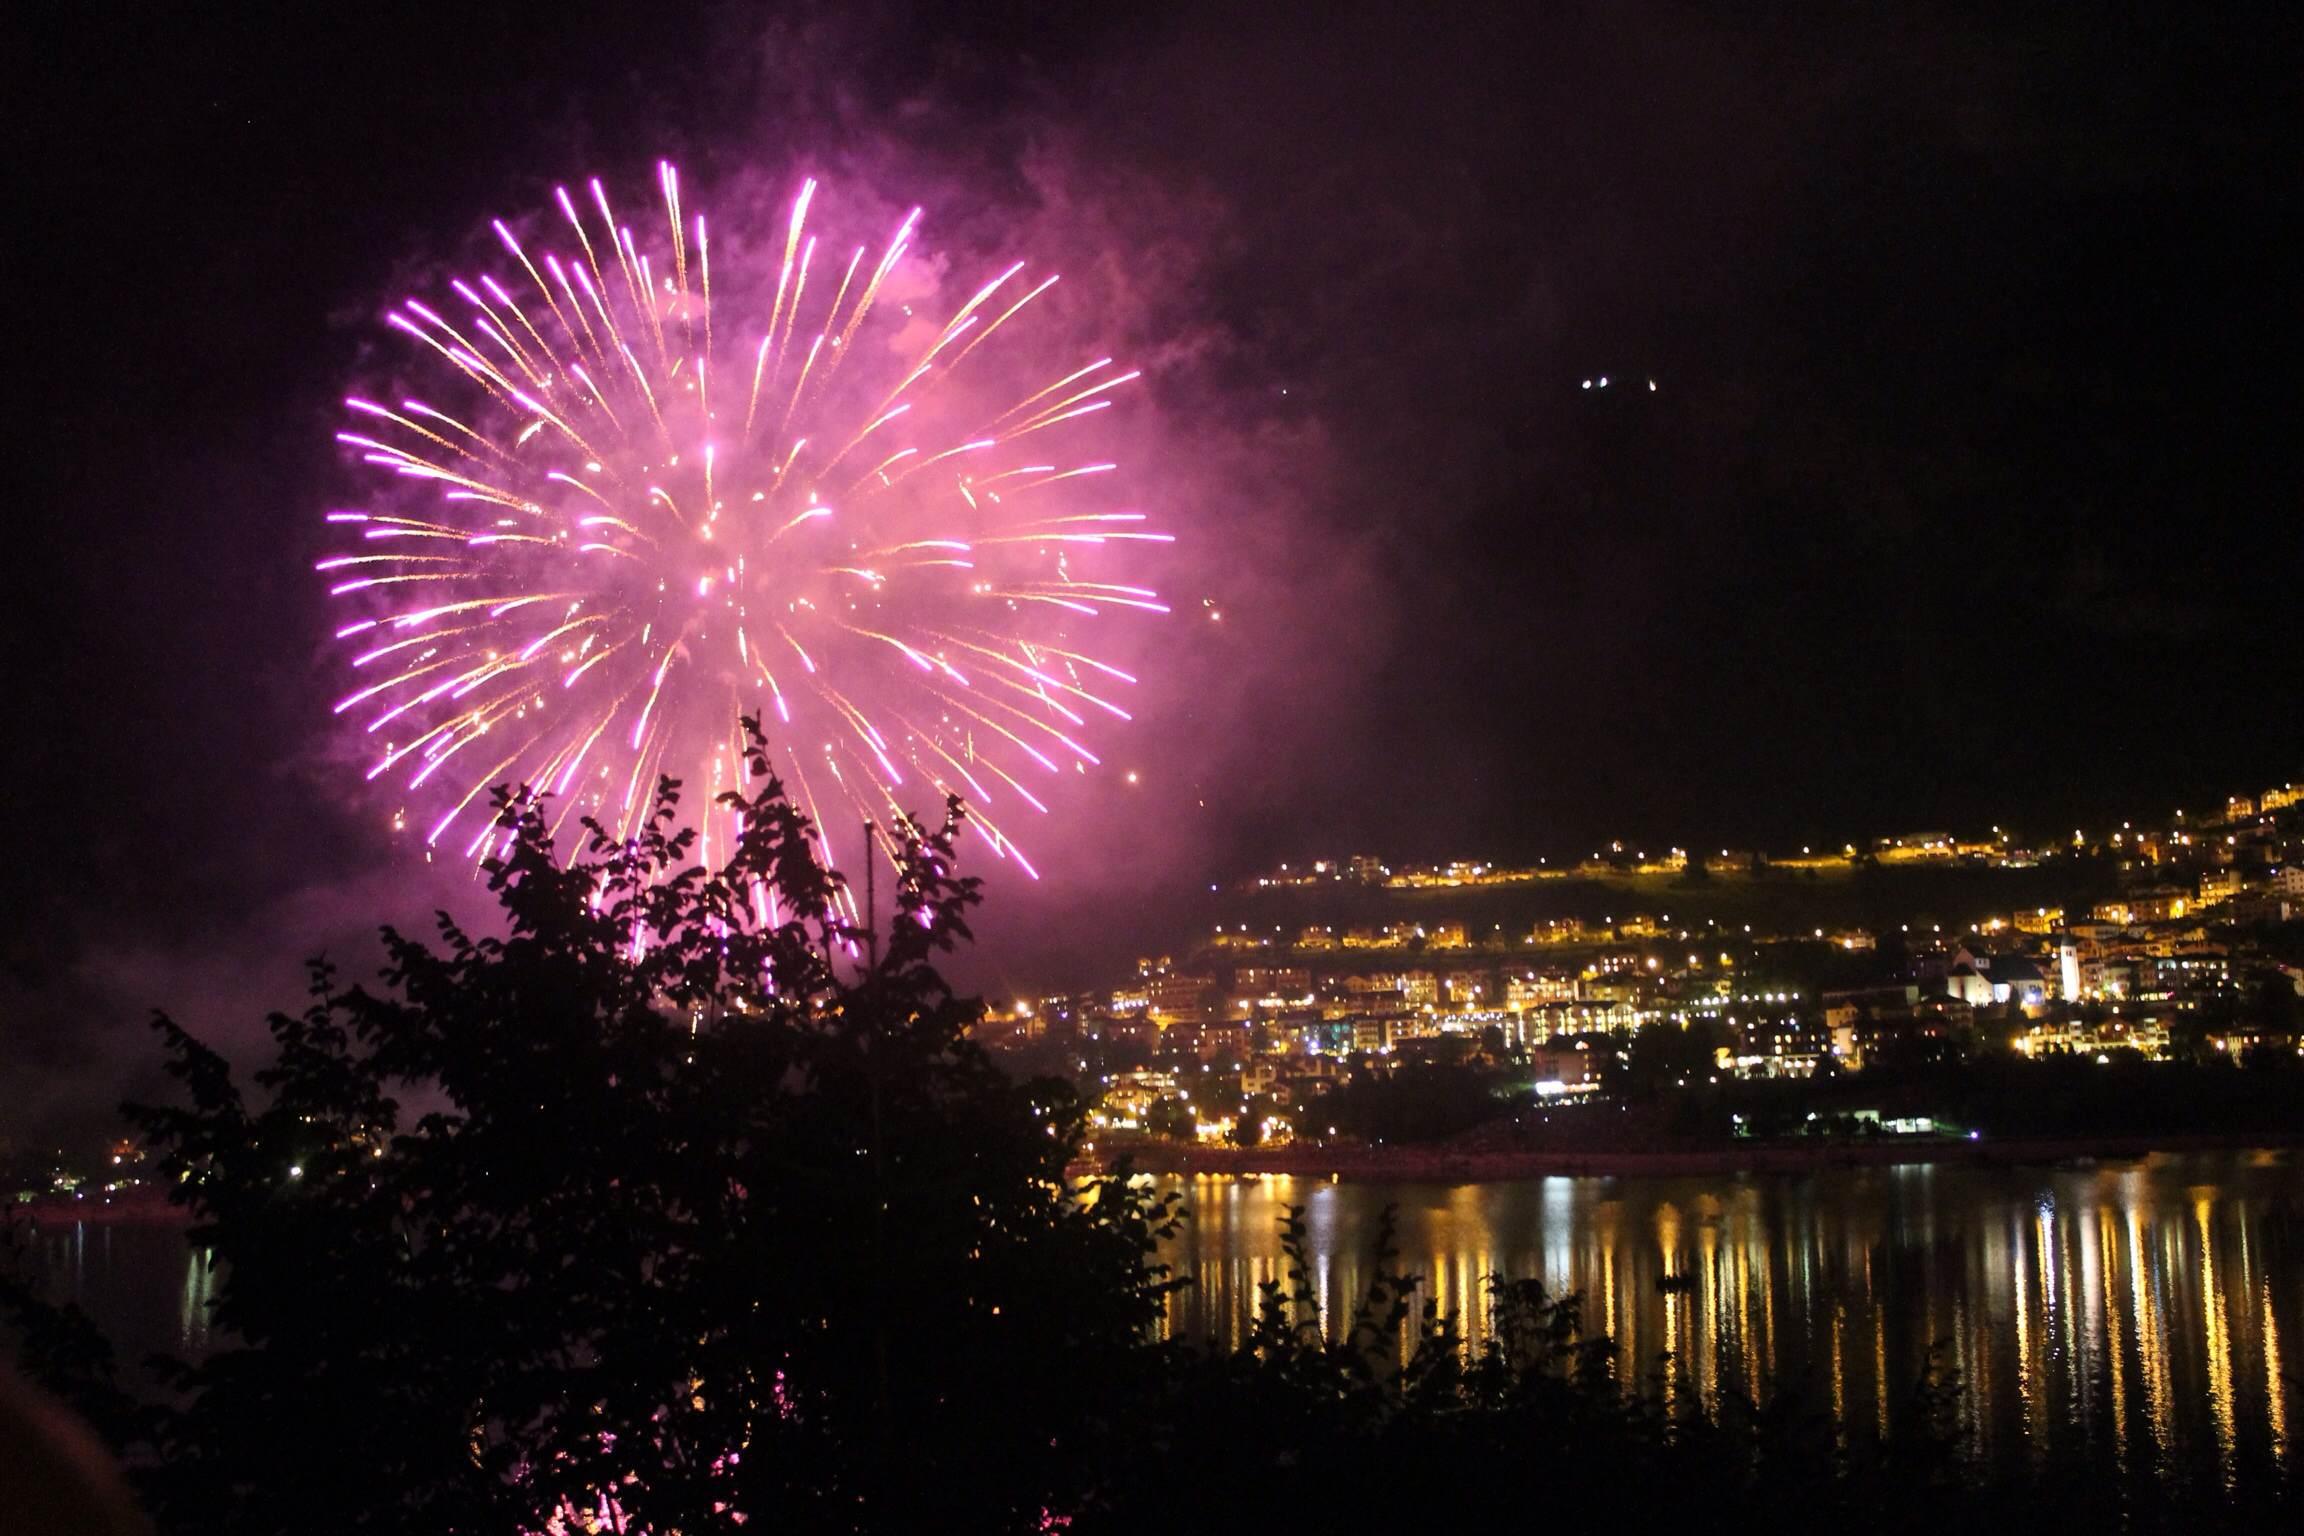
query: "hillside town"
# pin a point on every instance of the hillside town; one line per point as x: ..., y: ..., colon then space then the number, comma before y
x: 2188, y: 949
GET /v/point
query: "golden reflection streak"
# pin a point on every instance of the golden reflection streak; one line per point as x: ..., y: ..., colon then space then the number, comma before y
x: 2115, y: 1351
x: 1880, y: 1392
x: 2216, y: 1326
x: 2025, y: 1391
x: 1972, y: 1356
x: 1708, y: 1319
x: 1673, y: 1361
x: 2044, y: 1341
x: 2084, y: 1275
x: 2071, y: 1319
x: 1668, y: 1246
x: 1611, y: 1321
x: 1839, y: 1375
x: 2151, y: 1344
x: 1623, y: 1322
x: 1767, y: 1301
x: 2275, y: 1384
x: 1441, y: 1287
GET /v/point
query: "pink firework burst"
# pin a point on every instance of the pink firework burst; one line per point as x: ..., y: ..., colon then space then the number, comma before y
x: 631, y: 519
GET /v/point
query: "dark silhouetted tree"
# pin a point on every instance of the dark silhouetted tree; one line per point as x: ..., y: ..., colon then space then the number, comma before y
x: 681, y: 1200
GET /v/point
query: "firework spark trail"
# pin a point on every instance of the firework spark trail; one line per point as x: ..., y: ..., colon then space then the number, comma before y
x: 599, y: 553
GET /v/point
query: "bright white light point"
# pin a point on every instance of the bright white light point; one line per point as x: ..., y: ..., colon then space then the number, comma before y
x: 1131, y: 776
x: 1603, y: 381
x: 1587, y: 383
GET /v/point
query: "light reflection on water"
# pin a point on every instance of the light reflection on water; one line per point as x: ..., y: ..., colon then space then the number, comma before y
x: 140, y: 1281
x: 2141, y: 1313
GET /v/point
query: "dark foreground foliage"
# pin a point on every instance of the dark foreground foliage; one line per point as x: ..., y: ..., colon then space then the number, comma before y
x: 683, y: 1203
x: 644, y: 1199
x: 1397, y: 1419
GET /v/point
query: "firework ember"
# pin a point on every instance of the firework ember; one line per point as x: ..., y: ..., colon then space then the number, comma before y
x: 636, y: 519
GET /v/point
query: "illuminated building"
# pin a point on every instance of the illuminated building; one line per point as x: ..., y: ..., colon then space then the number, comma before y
x: 1850, y: 1015
x: 1966, y: 980
x: 1127, y: 1100
x: 2077, y: 1036
x: 1529, y: 989
x: 1550, y: 1020
x: 1175, y: 999
x: 2203, y: 970
x: 2156, y: 904
x: 1468, y: 988
x: 1914, y: 847
x: 1018, y: 1024
x: 2038, y: 920
x: 1374, y: 1032
x: 2220, y: 885
x: 2018, y: 980
x: 1133, y: 1030
x: 1565, y: 1069
x: 1416, y: 989
x: 1221, y: 1040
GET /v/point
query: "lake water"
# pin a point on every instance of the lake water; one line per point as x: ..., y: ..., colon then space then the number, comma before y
x: 139, y: 1280
x: 2144, y: 1315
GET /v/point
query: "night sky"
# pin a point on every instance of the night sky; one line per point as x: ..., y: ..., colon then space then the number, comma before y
x: 1967, y: 493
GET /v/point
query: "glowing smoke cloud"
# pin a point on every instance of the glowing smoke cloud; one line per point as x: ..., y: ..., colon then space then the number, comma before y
x: 637, y: 519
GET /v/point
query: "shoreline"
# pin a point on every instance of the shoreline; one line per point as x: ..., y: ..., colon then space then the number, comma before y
x: 1442, y: 1164
x: 1481, y: 1166
x: 122, y: 1211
